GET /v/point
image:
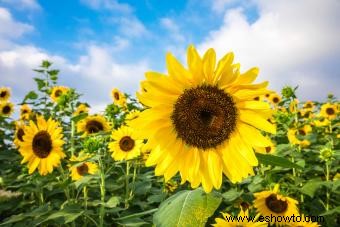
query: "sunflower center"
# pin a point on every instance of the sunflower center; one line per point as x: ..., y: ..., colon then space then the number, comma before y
x: 302, y: 132
x: 24, y: 111
x: 276, y: 205
x: 83, y: 169
x: 116, y: 95
x: 126, y: 143
x: 3, y: 94
x: 42, y: 144
x: 330, y: 111
x: 204, y: 116
x: 257, y: 98
x: 276, y: 99
x: 268, y: 149
x: 6, y: 110
x: 94, y: 126
x: 308, y: 105
x: 58, y: 93
x: 20, y: 134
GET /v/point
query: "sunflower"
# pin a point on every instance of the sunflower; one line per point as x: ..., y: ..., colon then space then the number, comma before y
x: 5, y: 94
x: 82, y: 108
x: 25, y: 112
x: 321, y: 122
x: 83, y: 168
x: 6, y: 108
x: 19, y: 133
x: 297, y: 136
x: 201, y: 118
x: 274, y: 98
x: 118, y: 97
x: 42, y: 145
x: 93, y: 124
x: 309, y: 105
x: 306, y: 221
x: 266, y: 150
x: 58, y: 91
x: 329, y: 111
x: 127, y: 144
x: 305, y: 113
x: 271, y: 203
x: 293, y: 106
x: 240, y: 221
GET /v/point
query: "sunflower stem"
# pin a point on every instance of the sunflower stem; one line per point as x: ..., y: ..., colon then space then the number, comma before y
x: 127, y: 184
x: 327, y: 192
x: 133, y: 179
x: 102, y: 193
x: 85, y: 203
x: 72, y: 137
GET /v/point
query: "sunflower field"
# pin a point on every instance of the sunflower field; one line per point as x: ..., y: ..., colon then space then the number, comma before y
x: 202, y: 145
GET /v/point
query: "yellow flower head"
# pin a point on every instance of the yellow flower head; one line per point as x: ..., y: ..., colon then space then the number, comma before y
x: 93, y: 124
x: 329, y: 111
x: 293, y: 106
x: 25, y: 112
x: 19, y: 133
x: 118, y: 97
x: 82, y: 108
x: 83, y: 168
x: 126, y: 144
x: 309, y: 105
x: 5, y: 94
x: 266, y: 150
x: 272, y: 203
x: 42, y: 145
x: 58, y: 91
x: 242, y: 219
x: 6, y: 109
x: 201, y: 117
x: 297, y: 136
x: 275, y: 98
x: 321, y: 122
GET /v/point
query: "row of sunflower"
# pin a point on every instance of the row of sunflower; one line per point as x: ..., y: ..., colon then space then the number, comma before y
x: 206, y: 125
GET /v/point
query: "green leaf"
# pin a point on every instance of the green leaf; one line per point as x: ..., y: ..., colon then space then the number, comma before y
x: 79, y: 117
x: 268, y: 159
x: 33, y: 214
x: 187, y: 208
x: 66, y: 215
x: 310, y: 187
x: 45, y: 64
x: 112, y: 202
x: 40, y: 83
x: 231, y: 195
x: 30, y: 95
x: 336, y: 210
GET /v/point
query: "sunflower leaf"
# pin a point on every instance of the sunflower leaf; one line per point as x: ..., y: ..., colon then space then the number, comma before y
x: 30, y: 95
x: 187, y: 208
x: 273, y: 160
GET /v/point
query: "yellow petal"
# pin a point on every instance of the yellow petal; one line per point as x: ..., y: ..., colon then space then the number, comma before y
x: 252, y: 118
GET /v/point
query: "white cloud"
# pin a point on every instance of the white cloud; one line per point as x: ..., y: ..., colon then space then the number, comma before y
x: 23, y: 4
x: 131, y: 26
x: 220, y: 5
x: 113, y: 5
x: 9, y: 27
x: 173, y: 29
x: 289, y: 41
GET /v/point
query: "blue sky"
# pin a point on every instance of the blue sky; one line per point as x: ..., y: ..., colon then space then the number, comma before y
x: 102, y: 44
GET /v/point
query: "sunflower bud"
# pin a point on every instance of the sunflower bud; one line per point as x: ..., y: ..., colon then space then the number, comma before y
x: 326, y: 154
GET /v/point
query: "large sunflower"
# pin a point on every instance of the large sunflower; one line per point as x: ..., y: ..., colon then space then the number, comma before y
x: 83, y: 168
x: 58, y: 91
x: 93, y: 124
x: 329, y: 111
x: 241, y: 220
x: 203, y: 121
x: 42, y: 145
x: 127, y: 145
x: 271, y: 203
x: 5, y: 94
x: 118, y: 97
x: 6, y: 109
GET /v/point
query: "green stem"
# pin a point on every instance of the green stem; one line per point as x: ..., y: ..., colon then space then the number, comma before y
x: 134, y: 178
x: 127, y: 184
x: 102, y: 193
x: 85, y: 203
x: 72, y: 137
x: 327, y: 192
x: 294, y: 171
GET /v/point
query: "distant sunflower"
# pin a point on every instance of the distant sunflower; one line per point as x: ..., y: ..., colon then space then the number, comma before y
x: 321, y: 122
x: 305, y: 113
x: 134, y: 114
x: 271, y: 203
x: 42, y: 145
x: 266, y: 150
x: 126, y: 144
x: 82, y: 108
x: 5, y: 94
x: 329, y: 111
x: 242, y: 221
x: 93, y: 124
x: 58, y: 91
x: 6, y: 108
x: 309, y: 105
x: 306, y: 221
x: 118, y: 97
x: 19, y: 133
x: 275, y: 98
x: 25, y: 112
x: 293, y: 106
x: 296, y: 136
x: 83, y: 168
x: 202, y: 117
